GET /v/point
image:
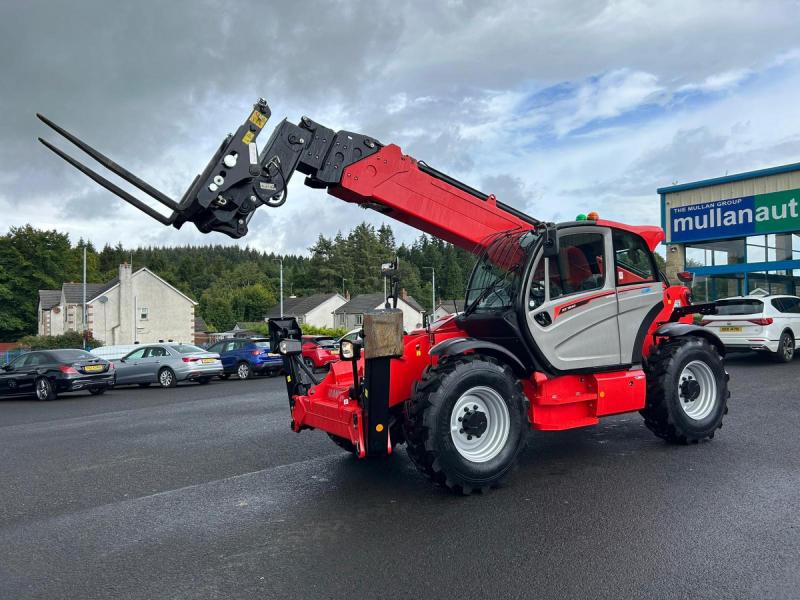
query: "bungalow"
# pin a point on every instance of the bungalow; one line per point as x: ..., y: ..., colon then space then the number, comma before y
x: 317, y: 309
x: 351, y: 315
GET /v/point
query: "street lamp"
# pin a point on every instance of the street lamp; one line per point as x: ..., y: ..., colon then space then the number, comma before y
x: 280, y: 260
x: 433, y: 289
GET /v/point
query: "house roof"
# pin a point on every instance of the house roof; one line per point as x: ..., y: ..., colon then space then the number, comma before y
x: 200, y: 324
x: 456, y: 304
x: 73, y: 292
x: 297, y: 307
x: 49, y: 298
x: 367, y: 302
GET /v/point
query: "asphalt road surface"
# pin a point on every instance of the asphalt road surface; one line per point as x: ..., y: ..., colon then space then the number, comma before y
x: 204, y: 492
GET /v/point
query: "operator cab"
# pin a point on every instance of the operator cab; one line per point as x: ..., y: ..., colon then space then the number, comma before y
x: 585, y: 308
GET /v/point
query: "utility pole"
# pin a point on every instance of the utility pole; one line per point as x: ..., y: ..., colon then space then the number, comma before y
x: 280, y: 260
x: 343, y: 280
x: 84, y: 298
x: 433, y: 289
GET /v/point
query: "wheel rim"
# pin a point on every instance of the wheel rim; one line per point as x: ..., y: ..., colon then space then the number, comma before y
x: 243, y: 371
x: 788, y: 348
x: 480, y: 424
x: 697, y: 390
x: 42, y: 389
x: 166, y: 378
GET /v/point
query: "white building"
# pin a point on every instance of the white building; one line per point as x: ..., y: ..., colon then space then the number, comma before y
x: 133, y: 307
x: 351, y: 315
x: 317, y: 310
x: 447, y: 307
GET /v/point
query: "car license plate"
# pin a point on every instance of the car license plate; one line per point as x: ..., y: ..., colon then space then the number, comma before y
x: 93, y: 368
x: 207, y: 361
x: 273, y: 354
x: 730, y: 330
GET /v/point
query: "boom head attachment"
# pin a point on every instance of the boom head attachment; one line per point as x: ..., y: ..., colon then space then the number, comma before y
x: 238, y: 179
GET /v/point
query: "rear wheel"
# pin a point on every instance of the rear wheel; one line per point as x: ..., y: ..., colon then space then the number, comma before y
x: 687, y: 390
x: 166, y: 378
x: 785, y: 352
x: 243, y: 370
x: 466, y: 423
x: 44, y: 389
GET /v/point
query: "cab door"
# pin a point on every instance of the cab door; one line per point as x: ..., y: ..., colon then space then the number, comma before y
x: 640, y: 292
x: 572, y: 304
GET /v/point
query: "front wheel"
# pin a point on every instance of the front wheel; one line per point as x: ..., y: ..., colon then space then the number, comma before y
x: 243, y: 370
x: 44, y: 389
x: 785, y: 352
x: 687, y: 390
x: 466, y: 423
x: 166, y: 378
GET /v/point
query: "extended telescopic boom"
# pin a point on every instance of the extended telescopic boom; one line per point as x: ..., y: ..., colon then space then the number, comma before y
x: 351, y: 166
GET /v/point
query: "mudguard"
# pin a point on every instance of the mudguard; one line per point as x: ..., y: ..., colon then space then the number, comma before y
x: 462, y: 345
x: 675, y: 330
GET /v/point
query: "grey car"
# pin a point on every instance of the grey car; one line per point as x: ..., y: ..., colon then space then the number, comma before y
x: 166, y: 365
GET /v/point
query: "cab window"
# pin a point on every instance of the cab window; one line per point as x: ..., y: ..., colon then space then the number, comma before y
x: 634, y: 261
x: 578, y: 266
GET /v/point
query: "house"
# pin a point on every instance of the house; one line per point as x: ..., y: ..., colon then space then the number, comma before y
x: 316, y: 310
x: 351, y: 315
x: 448, y: 307
x: 132, y: 308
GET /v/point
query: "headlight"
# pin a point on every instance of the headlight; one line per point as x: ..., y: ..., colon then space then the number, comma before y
x: 283, y: 347
x: 347, y: 350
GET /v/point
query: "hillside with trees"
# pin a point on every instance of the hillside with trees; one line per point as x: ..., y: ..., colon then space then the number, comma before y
x: 230, y: 283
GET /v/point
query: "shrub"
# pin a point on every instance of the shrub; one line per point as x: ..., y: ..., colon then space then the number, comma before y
x: 70, y: 339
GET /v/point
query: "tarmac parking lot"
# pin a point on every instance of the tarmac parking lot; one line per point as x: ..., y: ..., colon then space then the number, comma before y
x: 204, y: 492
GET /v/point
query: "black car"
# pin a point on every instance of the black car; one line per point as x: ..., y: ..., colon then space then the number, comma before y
x: 47, y: 373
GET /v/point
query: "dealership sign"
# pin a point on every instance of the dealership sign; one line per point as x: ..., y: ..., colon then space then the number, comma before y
x: 749, y: 215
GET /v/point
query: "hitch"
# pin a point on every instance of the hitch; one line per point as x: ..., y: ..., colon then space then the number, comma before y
x: 238, y: 179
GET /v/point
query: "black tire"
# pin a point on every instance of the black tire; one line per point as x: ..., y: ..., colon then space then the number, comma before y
x: 166, y: 378
x: 143, y: 385
x: 785, y: 352
x: 44, y: 390
x: 343, y: 443
x: 203, y: 380
x: 243, y: 370
x: 664, y: 414
x: 224, y: 375
x: 430, y: 443
x: 97, y: 391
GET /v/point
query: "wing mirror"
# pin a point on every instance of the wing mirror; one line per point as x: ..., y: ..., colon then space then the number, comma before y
x: 686, y: 277
x: 550, y: 240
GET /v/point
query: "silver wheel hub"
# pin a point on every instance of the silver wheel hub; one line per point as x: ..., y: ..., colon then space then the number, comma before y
x: 243, y: 369
x: 788, y: 347
x: 697, y: 390
x: 480, y: 424
x: 41, y: 389
x: 166, y: 378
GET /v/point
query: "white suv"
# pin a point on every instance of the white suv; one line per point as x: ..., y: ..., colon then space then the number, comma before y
x: 764, y: 323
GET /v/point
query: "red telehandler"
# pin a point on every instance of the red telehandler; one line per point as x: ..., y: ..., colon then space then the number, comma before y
x: 563, y: 323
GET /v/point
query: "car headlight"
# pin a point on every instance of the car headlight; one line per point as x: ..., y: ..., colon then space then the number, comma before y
x: 347, y: 351
x: 283, y: 347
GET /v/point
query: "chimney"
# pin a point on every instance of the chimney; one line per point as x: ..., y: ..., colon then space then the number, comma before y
x: 127, y: 320
x: 347, y: 295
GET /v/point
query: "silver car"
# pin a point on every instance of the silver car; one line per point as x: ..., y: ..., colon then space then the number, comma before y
x: 166, y: 365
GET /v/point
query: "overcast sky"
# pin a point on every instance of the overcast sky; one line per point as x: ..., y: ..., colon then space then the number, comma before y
x: 556, y: 107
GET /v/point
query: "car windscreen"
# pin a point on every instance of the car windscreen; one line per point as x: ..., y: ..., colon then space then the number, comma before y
x: 70, y: 355
x: 187, y: 348
x: 739, y: 307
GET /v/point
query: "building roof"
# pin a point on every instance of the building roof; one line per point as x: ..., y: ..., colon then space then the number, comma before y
x: 200, y: 324
x: 729, y: 178
x: 300, y: 306
x: 456, y: 304
x: 73, y: 292
x: 49, y: 298
x: 115, y: 282
x: 367, y: 302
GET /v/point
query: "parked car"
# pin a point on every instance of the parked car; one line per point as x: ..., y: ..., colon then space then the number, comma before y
x: 247, y: 357
x: 319, y: 351
x: 47, y: 373
x: 763, y: 323
x: 167, y: 364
